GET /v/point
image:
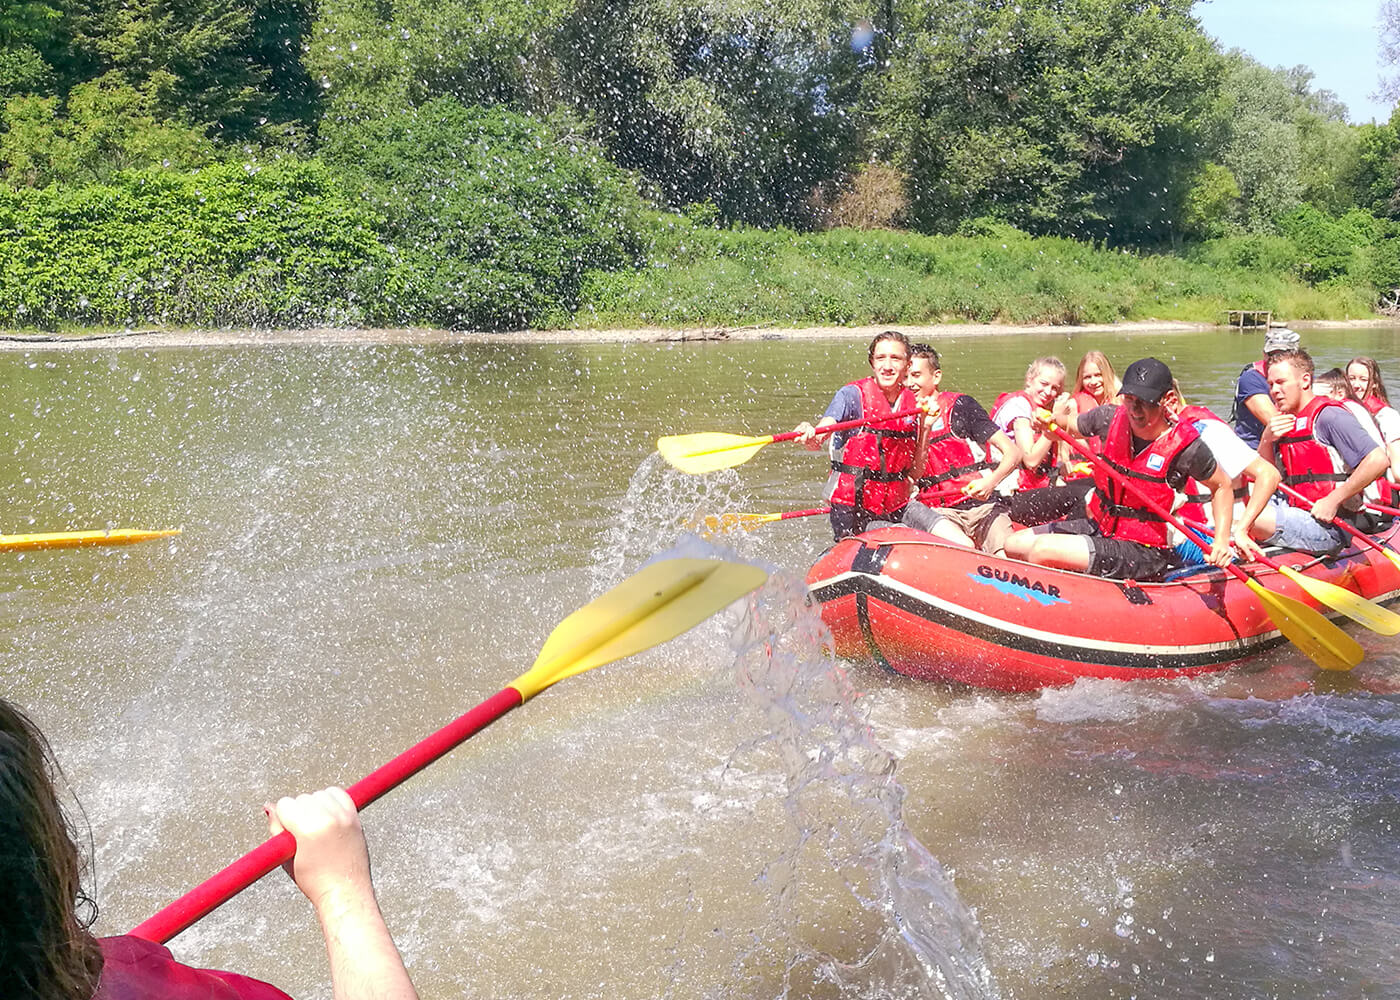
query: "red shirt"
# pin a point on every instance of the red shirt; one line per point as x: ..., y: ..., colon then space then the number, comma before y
x: 136, y: 969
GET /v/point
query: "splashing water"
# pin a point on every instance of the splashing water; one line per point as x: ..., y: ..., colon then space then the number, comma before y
x: 854, y: 901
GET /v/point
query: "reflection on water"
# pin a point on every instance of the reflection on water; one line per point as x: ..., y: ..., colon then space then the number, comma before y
x: 377, y: 538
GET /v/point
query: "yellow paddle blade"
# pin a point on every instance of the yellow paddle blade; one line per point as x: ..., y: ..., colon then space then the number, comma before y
x: 1391, y: 554
x: 696, y: 454
x: 718, y: 524
x: 1324, y: 643
x: 1357, y: 608
x: 76, y: 539
x: 656, y: 604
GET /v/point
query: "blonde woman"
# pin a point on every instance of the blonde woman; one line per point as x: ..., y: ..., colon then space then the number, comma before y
x: 1095, y: 384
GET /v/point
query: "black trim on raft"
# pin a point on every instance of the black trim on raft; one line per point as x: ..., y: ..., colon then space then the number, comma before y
x: 871, y: 559
x: 867, y: 587
x: 863, y: 617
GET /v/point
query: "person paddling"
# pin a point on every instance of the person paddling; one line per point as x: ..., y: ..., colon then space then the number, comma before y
x: 47, y: 952
x: 1326, y: 456
x: 951, y: 470
x: 1121, y: 537
x: 870, y: 464
x: 1014, y: 413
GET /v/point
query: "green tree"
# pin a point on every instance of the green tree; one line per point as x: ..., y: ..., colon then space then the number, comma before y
x: 1070, y: 116
x: 27, y: 28
x: 205, y: 62
x: 747, y: 106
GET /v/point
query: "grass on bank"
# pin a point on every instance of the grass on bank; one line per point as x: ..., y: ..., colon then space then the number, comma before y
x: 733, y: 277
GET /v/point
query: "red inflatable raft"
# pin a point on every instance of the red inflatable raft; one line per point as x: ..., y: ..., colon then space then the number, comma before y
x: 935, y: 611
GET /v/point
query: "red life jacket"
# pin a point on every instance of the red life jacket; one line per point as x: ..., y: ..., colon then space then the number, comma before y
x: 136, y: 969
x: 1083, y: 403
x: 1120, y: 512
x: 1309, y: 466
x: 951, y: 462
x: 873, y: 465
x: 1374, y: 404
x: 1029, y: 479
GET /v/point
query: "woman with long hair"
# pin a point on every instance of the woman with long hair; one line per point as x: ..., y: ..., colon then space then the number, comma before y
x: 1364, y: 375
x: 1095, y: 381
x: 1095, y: 384
x: 47, y: 951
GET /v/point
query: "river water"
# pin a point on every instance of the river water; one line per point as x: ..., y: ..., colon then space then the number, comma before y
x: 376, y: 538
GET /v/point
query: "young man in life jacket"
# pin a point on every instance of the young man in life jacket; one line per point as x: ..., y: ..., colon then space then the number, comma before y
x: 1326, y: 455
x: 1121, y: 538
x: 954, y: 480
x: 869, y: 478
x: 1253, y: 408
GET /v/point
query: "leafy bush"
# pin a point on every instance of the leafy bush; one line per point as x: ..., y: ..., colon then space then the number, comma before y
x: 492, y: 219
x: 227, y: 245
x: 1326, y: 245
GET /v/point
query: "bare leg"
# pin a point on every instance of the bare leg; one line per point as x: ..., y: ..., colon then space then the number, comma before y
x: 1060, y: 551
x: 1018, y: 545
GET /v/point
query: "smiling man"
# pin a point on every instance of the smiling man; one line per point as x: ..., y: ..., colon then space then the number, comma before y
x: 1325, y: 455
x: 870, y: 464
x: 1121, y: 538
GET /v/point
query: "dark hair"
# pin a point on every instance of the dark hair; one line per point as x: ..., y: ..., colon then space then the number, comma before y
x: 1335, y: 378
x: 1300, y: 359
x: 925, y: 351
x: 1375, y: 385
x: 894, y: 335
x: 46, y: 951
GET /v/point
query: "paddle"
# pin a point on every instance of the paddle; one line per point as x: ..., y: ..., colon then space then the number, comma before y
x: 78, y: 539
x: 710, y: 451
x: 1308, y: 629
x: 1354, y: 606
x: 1350, y: 529
x: 656, y: 604
x: 715, y: 524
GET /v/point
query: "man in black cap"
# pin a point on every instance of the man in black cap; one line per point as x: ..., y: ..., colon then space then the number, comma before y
x: 1253, y: 408
x: 1121, y: 537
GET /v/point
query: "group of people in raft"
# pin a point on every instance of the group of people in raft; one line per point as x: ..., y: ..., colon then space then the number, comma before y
x: 1009, y: 484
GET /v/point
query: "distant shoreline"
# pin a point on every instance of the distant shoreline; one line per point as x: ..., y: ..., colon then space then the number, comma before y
x: 646, y: 335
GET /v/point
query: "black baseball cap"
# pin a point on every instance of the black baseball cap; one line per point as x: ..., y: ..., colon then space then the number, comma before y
x: 1149, y: 380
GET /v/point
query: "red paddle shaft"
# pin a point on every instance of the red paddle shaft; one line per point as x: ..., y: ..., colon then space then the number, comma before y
x: 223, y: 886
x: 1201, y: 538
x: 1351, y: 530
x: 846, y: 425
x: 804, y: 513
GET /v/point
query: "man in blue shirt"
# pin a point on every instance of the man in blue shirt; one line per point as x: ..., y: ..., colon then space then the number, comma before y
x: 1253, y: 407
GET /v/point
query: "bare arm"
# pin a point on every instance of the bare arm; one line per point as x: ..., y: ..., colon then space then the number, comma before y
x: 331, y: 867
x: 1266, y: 478
x: 1222, y: 508
x: 1033, y: 447
x: 808, y: 434
x: 1372, y: 467
x: 1262, y: 407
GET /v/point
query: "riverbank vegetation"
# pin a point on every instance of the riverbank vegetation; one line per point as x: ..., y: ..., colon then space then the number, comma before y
x: 496, y: 165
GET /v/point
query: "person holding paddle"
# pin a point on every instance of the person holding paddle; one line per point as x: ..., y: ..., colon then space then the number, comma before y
x: 955, y: 479
x: 870, y: 463
x: 1327, y: 458
x: 47, y: 953
x: 1123, y: 537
